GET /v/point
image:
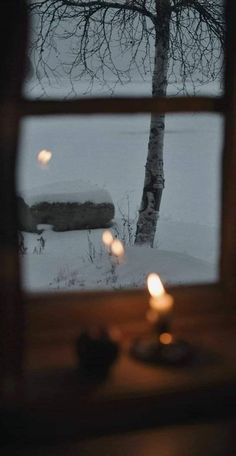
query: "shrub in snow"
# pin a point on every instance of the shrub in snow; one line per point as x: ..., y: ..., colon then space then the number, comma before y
x: 125, y: 227
x: 40, y: 247
x: 21, y: 244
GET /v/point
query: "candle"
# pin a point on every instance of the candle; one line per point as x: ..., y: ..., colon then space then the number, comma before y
x: 160, y: 346
x: 161, y: 304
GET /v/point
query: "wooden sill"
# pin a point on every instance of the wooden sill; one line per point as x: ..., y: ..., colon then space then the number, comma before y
x: 55, y: 404
x: 59, y: 317
x: 196, y: 439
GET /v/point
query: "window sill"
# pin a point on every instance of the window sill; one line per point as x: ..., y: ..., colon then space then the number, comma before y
x: 56, y: 405
x: 214, y: 438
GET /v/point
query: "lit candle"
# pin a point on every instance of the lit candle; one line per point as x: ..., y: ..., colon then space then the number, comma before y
x: 160, y: 346
x: 117, y: 249
x: 161, y: 304
x: 107, y: 239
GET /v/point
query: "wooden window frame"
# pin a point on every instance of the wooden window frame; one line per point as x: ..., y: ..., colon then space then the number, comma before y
x: 52, y: 321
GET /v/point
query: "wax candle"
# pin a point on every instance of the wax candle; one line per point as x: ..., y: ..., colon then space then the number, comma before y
x: 161, y: 303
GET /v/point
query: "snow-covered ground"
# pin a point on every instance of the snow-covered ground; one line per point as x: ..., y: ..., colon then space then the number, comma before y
x: 110, y: 152
x: 77, y: 260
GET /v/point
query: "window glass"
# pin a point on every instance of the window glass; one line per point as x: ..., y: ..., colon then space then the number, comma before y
x: 78, y: 176
x: 105, y: 49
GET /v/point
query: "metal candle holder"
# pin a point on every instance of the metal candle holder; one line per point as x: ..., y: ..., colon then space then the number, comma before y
x: 160, y: 346
x: 161, y: 349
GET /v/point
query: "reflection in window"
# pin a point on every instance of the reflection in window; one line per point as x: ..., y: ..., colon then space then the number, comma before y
x: 129, y: 47
x: 91, y: 179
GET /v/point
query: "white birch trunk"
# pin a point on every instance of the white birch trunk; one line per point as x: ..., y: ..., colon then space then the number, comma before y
x: 154, y: 172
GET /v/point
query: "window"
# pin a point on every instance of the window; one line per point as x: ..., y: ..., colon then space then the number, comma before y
x: 105, y: 157
x: 52, y: 329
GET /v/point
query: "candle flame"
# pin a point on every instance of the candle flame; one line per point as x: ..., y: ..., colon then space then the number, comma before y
x: 44, y: 157
x: 107, y: 238
x: 117, y: 248
x: 155, y: 286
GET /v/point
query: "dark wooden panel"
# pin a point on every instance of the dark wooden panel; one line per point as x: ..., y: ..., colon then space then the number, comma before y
x: 121, y: 105
x: 13, y: 30
x: 228, y: 248
x: 204, y: 439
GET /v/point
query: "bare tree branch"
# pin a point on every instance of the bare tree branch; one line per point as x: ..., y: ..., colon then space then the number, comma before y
x: 178, y: 41
x: 96, y: 29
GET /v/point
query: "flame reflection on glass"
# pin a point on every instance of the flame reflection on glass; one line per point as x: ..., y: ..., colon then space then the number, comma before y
x: 117, y: 248
x: 107, y: 238
x: 44, y: 157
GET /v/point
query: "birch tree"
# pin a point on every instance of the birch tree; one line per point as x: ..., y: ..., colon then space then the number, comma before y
x: 177, y: 41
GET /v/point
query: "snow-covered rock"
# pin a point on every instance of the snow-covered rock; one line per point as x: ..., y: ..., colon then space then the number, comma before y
x: 73, y: 216
x: 66, y: 206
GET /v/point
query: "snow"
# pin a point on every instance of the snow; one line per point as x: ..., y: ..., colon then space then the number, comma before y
x: 67, y: 192
x: 137, y: 88
x: 99, y: 156
x: 68, y: 262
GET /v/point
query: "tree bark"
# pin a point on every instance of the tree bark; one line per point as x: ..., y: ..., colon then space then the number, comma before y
x: 154, y: 173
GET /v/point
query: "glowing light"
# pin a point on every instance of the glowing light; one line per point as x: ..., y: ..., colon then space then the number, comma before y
x: 44, y: 157
x: 117, y: 248
x: 155, y: 286
x: 166, y: 338
x: 107, y: 238
x: 160, y: 301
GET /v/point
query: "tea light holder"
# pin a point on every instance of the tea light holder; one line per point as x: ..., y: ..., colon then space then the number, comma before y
x: 160, y: 346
